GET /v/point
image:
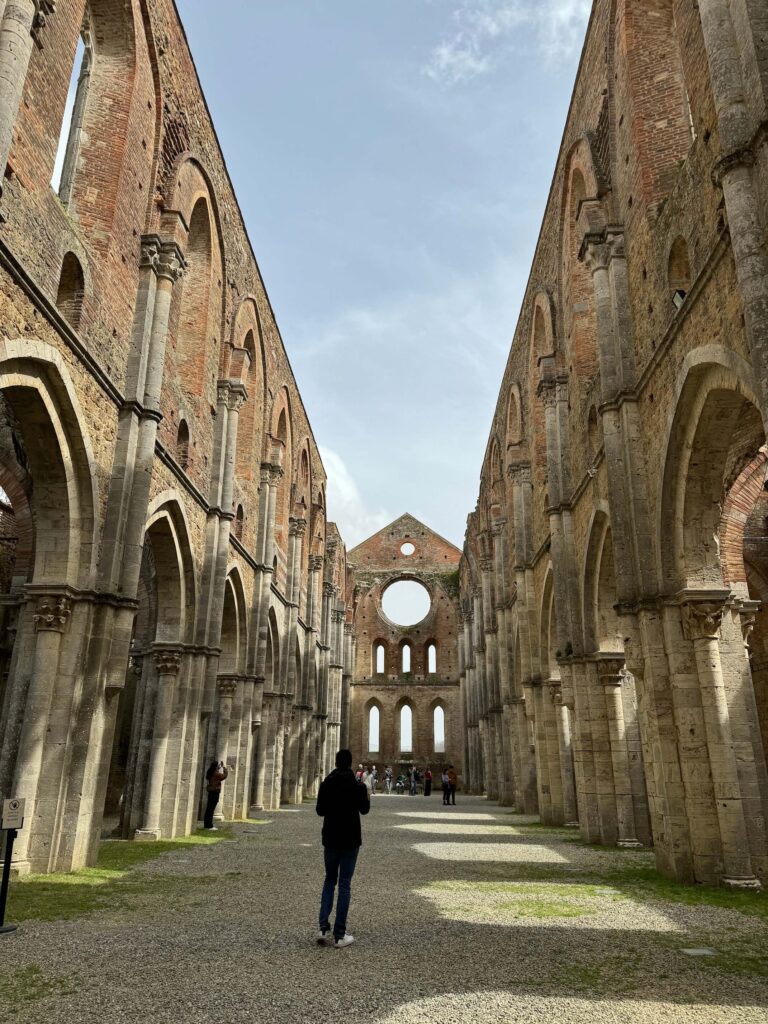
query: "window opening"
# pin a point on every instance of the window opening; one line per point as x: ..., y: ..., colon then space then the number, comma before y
x: 406, y: 602
x: 182, y: 445
x: 407, y: 549
x: 379, y: 651
x: 406, y: 729
x: 406, y: 658
x: 67, y: 152
x: 239, y: 519
x: 373, y: 730
x: 439, y: 730
x: 69, y: 297
x: 431, y: 659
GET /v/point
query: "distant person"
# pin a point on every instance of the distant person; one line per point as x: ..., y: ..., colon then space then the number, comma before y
x: 452, y: 783
x: 414, y: 781
x: 446, y: 785
x: 388, y: 780
x: 374, y: 778
x: 214, y: 777
x: 367, y: 781
x: 428, y: 782
x: 400, y: 784
x: 340, y: 802
x: 359, y: 773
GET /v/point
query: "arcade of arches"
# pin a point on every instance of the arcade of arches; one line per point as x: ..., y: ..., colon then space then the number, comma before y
x: 172, y: 589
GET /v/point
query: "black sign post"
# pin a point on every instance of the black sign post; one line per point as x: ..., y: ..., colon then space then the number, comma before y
x: 10, y: 836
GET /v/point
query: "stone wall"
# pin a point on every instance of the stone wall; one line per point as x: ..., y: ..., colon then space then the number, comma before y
x: 609, y: 576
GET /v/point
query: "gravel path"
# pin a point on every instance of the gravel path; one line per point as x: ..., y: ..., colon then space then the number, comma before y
x: 462, y: 916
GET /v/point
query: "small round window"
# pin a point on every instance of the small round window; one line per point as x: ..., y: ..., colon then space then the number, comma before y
x: 407, y: 548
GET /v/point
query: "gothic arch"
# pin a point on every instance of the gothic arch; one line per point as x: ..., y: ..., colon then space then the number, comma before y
x: 166, y: 532
x: 602, y: 629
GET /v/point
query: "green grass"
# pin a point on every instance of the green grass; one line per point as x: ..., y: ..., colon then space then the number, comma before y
x: 112, y: 884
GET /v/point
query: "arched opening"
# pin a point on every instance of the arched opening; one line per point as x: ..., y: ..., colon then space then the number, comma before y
x: 182, y: 445
x: 593, y: 434
x: 71, y: 290
x: 406, y: 729
x: 514, y: 419
x: 192, y: 341
x: 374, y: 719
x: 250, y: 426
x: 237, y: 526
x: 379, y: 658
x: 405, y: 657
x: 68, y: 148
x: 679, y: 272
x: 432, y: 658
x: 438, y: 729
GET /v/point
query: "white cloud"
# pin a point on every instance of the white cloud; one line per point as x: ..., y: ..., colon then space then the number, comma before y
x: 346, y: 506
x: 486, y: 31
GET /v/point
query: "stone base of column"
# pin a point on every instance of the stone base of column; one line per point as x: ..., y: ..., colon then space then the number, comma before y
x: 147, y: 835
x: 741, y: 882
x: 254, y: 810
x: 629, y: 844
x: 571, y: 824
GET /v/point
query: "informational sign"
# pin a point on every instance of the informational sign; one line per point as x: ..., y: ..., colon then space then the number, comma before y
x: 13, y: 814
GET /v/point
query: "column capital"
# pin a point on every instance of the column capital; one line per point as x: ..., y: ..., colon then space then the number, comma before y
x: 702, y: 612
x: 486, y: 564
x: 275, y: 474
x: 297, y: 527
x: 167, y: 661
x: 226, y: 686
x: 52, y: 612
x: 316, y: 563
x: 43, y: 8
x: 519, y: 473
x: 170, y: 263
x: 547, y: 392
x: 555, y: 691
x: 747, y: 613
x: 328, y: 589
x: 610, y: 668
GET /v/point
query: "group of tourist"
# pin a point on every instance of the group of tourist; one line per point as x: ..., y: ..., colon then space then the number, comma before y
x: 415, y: 779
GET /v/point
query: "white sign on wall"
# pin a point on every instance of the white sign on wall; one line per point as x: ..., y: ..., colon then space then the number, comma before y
x: 13, y: 814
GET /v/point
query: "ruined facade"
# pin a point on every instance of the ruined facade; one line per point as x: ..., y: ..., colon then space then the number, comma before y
x: 404, y: 702
x: 613, y: 657
x: 171, y: 589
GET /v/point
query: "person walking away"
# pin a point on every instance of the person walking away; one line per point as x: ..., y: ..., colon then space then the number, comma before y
x: 374, y: 779
x: 214, y: 777
x: 452, y: 782
x: 341, y: 800
x: 446, y: 785
x: 428, y: 782
x: 368, y: 781
x: 388, y: 780
x: 414, y: 781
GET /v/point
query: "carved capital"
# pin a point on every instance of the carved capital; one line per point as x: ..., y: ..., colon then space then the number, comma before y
x: 610, y: 670
x: 328, y: 589
x: 316, y: 563
x: 275, y: 474
x: 547, y: 392
x: 519, y: 473
x: 238, y: 395
x: 297, y: 527
x: 486, y: 564
x: 747, y: 614
x: 702, y: 613
x: 227, y: 687
x: 170, y: 264
x: 337, y: 615
x: 167, y: 662
x: 150, y: 252
x: 52, y: 612
x: 556, y: 692
x: 596, y: 255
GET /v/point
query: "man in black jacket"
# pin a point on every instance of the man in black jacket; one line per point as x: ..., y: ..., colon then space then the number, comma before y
x: 340, y: 801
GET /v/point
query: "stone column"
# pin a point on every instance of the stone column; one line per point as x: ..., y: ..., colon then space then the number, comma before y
x: 51, y: 618
x: 226, y: 687
x: 562, y: 719
x: 702, y: 614
x: 167, y: 664
x: 610, y: 674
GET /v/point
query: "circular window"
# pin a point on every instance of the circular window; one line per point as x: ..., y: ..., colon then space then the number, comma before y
x: 406, y: 602
x: 407, y: 548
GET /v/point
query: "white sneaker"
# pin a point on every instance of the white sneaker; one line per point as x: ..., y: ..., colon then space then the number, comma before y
x: 345, y: 940
x: 325, y: 938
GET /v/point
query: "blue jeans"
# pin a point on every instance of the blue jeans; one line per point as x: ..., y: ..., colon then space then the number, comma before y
x: 339, y: 868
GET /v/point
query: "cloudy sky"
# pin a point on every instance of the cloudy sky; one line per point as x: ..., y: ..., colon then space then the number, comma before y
x: 392, y: 159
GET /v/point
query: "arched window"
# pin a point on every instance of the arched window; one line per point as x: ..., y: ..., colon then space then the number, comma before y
x: 238, y: 524
x: 405, y: 664
x: 69, y: 297
x: 373, y: 730
x: 406, y: 729
x: 679, y: 271
x: 182, y: 445
x: 432, y: 658
x: 380, y: 658
x: 74, y: 115
x: 192, y: 343
x: 438, y: 724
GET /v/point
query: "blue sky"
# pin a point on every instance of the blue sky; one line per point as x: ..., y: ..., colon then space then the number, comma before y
x: 392, y: 159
